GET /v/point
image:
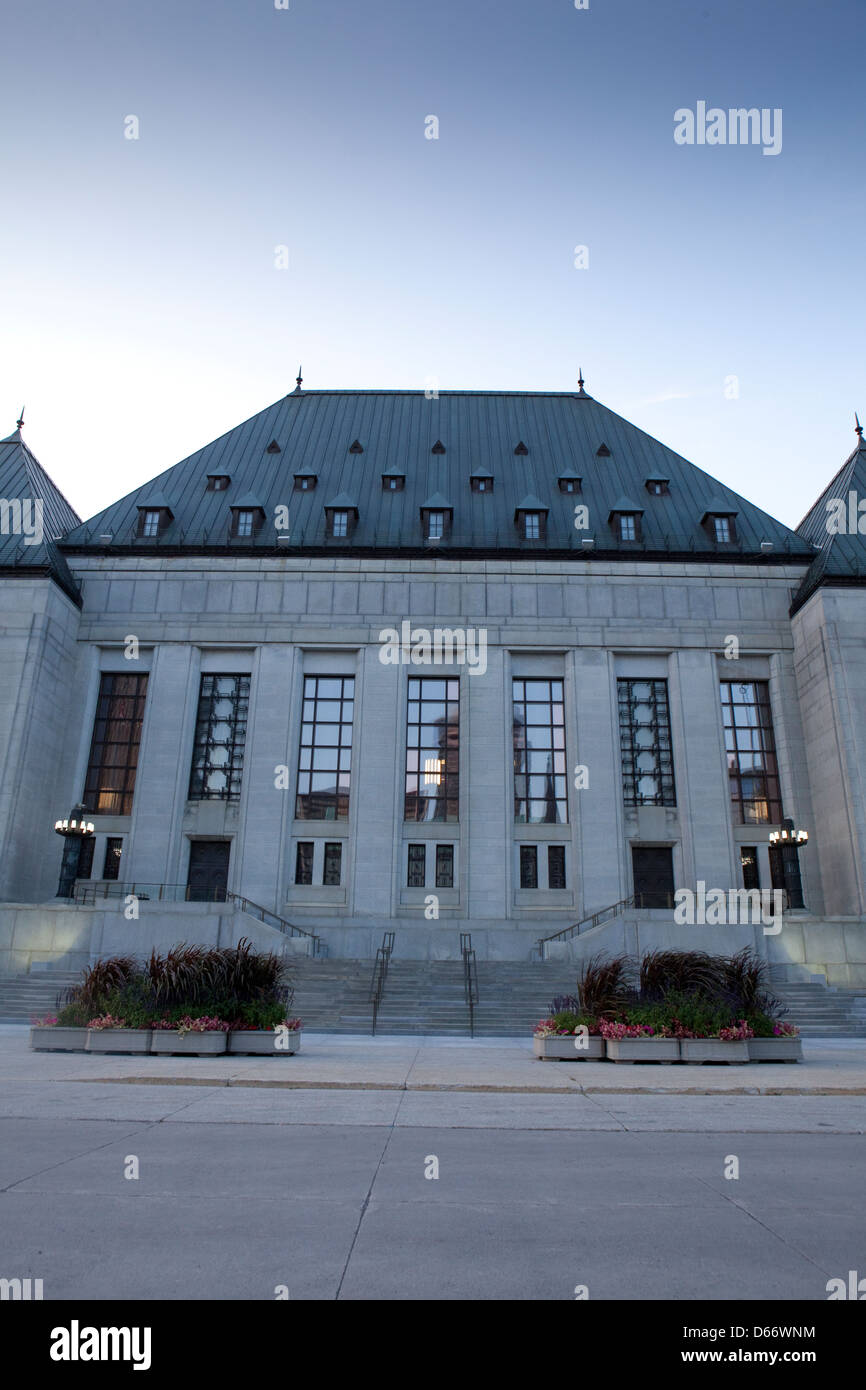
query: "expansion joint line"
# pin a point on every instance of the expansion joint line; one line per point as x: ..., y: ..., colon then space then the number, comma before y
x: 366, y: 1201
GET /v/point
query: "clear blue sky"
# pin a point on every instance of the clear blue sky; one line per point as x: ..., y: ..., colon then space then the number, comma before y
x: 144, y: 314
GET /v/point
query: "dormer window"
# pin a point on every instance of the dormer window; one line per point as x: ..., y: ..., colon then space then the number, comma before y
x: 436, y: 517
x: 719, y: 521
x: 153, y: 518
x: 393, y: 482
x: 340, y: 517
x: 481, y: 482
x: 530, y: 518
x: 626, y: 519
x: 569, y: 482
x: 657, y: 486
x: 305, y: 482
x: 217, y: 482
x: 247, y: 520
x: 273, y: 448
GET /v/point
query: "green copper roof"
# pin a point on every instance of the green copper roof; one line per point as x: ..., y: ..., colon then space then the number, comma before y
x: 479, y: 430
x: 24, y: 481
x: 832, y: 528
x: 342, y: 502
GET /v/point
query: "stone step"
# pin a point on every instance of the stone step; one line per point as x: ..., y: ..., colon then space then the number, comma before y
x: 428, y: 996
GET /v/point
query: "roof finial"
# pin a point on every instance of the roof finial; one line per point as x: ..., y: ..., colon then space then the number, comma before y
x: 580, y: 378
x: 299, y: 378
x: 858, y: 429
x: 20, y: 422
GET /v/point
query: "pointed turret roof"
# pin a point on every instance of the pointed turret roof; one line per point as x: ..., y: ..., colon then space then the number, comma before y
x: 831, y: 527
x: 26, y: 546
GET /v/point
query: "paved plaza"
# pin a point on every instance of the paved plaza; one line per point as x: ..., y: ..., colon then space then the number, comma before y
x: 310, y: 1173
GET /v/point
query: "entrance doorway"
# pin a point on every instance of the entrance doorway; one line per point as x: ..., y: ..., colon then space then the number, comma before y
x: 653, y: 870
x: 208, y: 871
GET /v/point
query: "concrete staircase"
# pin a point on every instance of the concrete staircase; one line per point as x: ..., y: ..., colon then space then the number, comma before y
x: 427, y: 996
x: 23, y: 997
x: 332, y: 996
x: 820, y: 1012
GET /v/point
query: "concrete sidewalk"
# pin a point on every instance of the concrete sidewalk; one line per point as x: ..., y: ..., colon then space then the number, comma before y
x: 831, y: 1067
x: 311, y: 1173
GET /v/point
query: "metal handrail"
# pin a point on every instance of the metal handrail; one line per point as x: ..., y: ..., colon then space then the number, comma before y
x: 380, y: 975
x: 593, y: 920
x: 470, y: 977
x: 86, y: 892
x: 603, y: 914
x: 273, y: 919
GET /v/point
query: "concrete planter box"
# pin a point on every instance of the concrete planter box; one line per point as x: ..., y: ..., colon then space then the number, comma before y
x: 58, y: 1039
x: 190, y: 1045
x: 118, y: 1039
x: 697, y: 1050
x: 562, y: 1049
x: 643, y: 1049
x: 775, y: 1050
x: 261, y: 1043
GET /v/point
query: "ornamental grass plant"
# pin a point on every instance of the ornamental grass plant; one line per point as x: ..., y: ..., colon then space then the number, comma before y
x: 239, y: 987
x: 671, y: 994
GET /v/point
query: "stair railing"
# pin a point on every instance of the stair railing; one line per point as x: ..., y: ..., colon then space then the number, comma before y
x: 470, y: 977
x: 585, y: 924
x: 87, y: 893
x: 380, y: 975
x: 604, y: 914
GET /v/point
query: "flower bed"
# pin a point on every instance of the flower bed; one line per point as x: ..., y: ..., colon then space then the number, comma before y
x: 671, y: 1006
x: 784, y: 1045
x: 199, y: 1037
x: 567, y: 1036
x: 638, y: 1042
x: 568, y: 1048
x: 731, y: 1045
x: 190, y: 1001
x: 108, y: 1034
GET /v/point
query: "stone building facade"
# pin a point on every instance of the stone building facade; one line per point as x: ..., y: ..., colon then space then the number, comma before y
x: 489, y: 662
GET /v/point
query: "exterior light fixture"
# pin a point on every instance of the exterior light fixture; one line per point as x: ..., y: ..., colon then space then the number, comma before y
x: 788, y: 842
x: 75, y: 829
x: 789, y: 837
